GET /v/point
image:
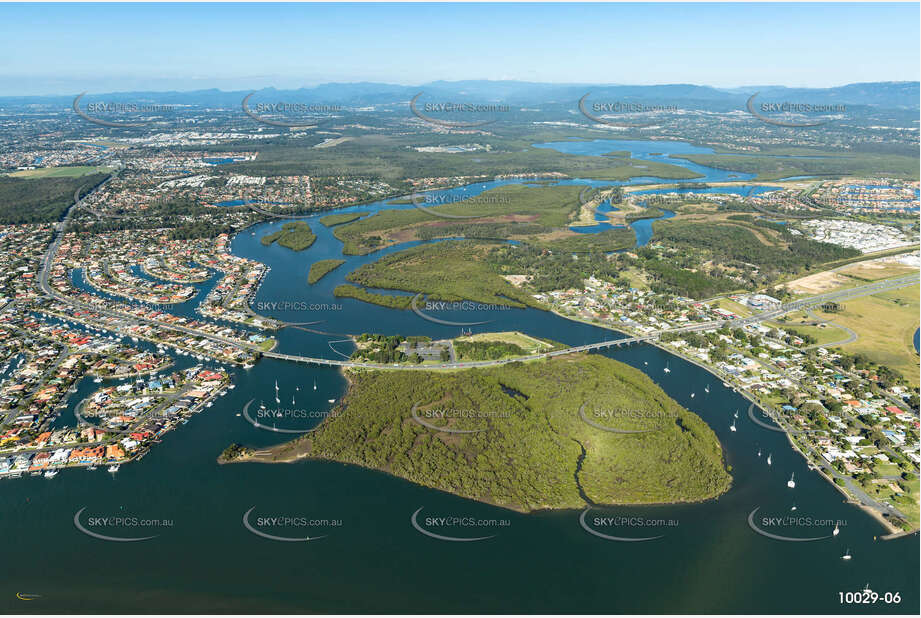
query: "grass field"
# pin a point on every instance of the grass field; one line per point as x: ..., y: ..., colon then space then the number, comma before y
x: 881, y: 490
x: 61, y: 172
x: 822, y: 335
x: 731, y: 305
x: 525, y: 342
x: 885, y: 324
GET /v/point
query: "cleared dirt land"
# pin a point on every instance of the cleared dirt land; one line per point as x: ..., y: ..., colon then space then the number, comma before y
x: 849, y: 276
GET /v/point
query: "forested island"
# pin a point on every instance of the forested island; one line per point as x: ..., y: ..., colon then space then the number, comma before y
x: 524, y: 436
x: 296, y: 236
x: 320, y: 269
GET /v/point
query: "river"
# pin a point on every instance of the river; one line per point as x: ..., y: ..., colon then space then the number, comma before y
x: 206, y: 560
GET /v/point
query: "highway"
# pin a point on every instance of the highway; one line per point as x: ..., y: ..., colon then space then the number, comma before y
x: 864, y: 290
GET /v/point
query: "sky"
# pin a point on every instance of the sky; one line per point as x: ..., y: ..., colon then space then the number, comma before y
x: 68, y: 48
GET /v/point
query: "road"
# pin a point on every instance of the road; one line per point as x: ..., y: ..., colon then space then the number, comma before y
x: 864, y: 290
x: 851, y: 335
x: 853, y: 488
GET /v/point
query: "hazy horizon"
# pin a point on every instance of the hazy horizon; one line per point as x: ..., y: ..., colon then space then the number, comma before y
x: 186, y: 47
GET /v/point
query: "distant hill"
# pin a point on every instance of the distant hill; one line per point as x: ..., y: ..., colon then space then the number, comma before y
x: 884, y: 95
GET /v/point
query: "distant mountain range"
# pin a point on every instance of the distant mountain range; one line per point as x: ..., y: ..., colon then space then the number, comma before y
x: 890, y: 95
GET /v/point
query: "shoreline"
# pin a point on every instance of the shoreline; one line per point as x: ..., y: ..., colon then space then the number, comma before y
x: 893, y: 531
x: 299, y: 449
x: 260, y: 457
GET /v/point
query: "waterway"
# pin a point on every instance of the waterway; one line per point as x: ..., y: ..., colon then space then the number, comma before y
x: 206, y: 560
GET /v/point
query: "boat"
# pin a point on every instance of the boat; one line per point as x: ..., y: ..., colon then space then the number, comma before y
x: 836, y: 531
x: 847, y: 555
x: 97, y: 380
x: 759, y: 452
x: 332, y: 401
x: 692, y: 395
x: 667, y: 370
x: 314, y: 385
x: 736, y: 415
x: 50, y: 474
x: 707, y: 388
x: 769, y: 460
x: 733, y: 426
x: 866, y: 589
x: 791, y: 483
x: 726, y: 384
x: 793, y: 508
x: 114, y: 468
x: 645, y: 363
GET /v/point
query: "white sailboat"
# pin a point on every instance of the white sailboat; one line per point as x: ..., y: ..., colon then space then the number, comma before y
x: 733, y: 426
x: 314, y: 385
x: 791, y: 483
x: 793, y: 508
x: 707, y: 388
x: 736, y: 415
x: 277, y: 400
x: 692, y: 395
x: 759, y: 452
x: 667, y: 370
x: 836, y: 531
x: 769, y: 459
x: 847, y: 554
